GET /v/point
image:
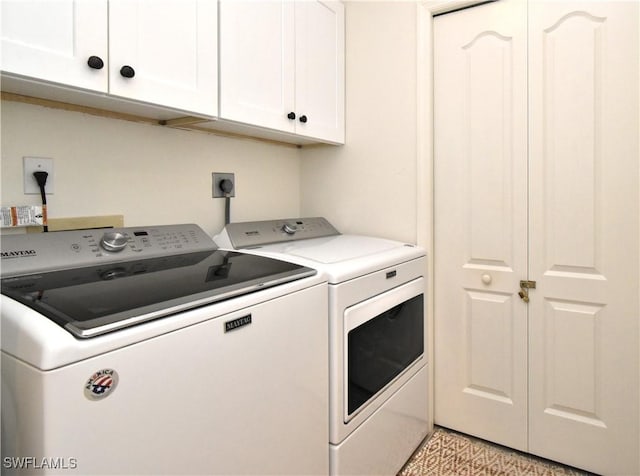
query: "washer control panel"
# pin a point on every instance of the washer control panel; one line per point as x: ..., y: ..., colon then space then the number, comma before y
x: 252, y: 234
x: 40, y: 252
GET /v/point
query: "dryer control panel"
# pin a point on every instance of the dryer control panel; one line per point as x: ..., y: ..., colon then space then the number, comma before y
x: 252, y: 234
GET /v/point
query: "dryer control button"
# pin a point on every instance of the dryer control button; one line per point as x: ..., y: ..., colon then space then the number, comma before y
x: 289, y: 228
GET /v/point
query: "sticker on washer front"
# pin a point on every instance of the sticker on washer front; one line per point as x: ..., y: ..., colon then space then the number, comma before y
x: 101, y: 384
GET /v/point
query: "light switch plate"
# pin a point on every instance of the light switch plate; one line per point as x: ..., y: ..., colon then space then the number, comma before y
x: 35, y: 164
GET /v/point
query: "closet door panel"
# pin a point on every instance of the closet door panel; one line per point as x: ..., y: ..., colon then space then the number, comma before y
x: 583, y: 66
x: 481, y: 222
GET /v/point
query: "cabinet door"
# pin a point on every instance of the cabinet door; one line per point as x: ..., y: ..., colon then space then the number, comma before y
x: 171, y: 46
x: 320, y: 70
x: 257, y: 63
x: 480, y: 170
x: 53, y: 40
x: 584, y: 248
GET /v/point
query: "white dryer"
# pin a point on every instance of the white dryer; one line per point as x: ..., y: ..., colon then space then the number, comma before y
x: 378, y: 399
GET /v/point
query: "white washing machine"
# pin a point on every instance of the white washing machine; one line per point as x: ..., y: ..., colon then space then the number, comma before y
x: 378, y: 408
x: 148, y: 351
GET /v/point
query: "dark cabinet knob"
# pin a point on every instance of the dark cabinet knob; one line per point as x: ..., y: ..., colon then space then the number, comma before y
x: 127, y: 72
x: 303, y: 119
x: 291, y: 115
x: 95, y: 62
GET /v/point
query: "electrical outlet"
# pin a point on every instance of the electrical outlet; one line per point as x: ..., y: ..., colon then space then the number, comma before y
x: 37, y: 164
x: 217, y: 192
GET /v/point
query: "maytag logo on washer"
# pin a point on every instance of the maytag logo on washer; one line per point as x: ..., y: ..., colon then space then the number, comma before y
x: 236, y: 323
x: 101, y: 384
x: 18, y: 254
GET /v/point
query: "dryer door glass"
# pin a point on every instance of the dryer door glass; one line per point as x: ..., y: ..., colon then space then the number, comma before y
x: 381, y: 348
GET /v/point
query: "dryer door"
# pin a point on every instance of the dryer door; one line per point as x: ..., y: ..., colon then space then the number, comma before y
x: 384, y: 336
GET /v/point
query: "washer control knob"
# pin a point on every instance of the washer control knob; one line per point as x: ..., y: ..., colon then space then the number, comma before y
x: 486, y: 278
x: 289, y: 228
x: 113, y: 241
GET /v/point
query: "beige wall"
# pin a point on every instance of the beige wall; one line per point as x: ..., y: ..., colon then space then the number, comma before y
x: 155, y: 175
x: 150, y: 174
x: 369, y: 186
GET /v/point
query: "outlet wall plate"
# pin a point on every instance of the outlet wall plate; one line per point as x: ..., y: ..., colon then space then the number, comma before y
x: 35, y: 164
x: 218, y: 177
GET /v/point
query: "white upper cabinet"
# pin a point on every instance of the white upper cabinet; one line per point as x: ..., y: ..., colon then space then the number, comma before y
x: 282, y: 66
x: 53, y: 41
x: 160, y: 52
x: 257, y: 63
x: 170, y: 47
x: 281, y: 62
x: 320, y: 70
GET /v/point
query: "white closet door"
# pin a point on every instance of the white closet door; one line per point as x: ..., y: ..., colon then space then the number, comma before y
x: 583, y: 63
x: 480, y: 226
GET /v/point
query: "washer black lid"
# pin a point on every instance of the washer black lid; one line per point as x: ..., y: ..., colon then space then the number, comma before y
x: 94, y: 300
